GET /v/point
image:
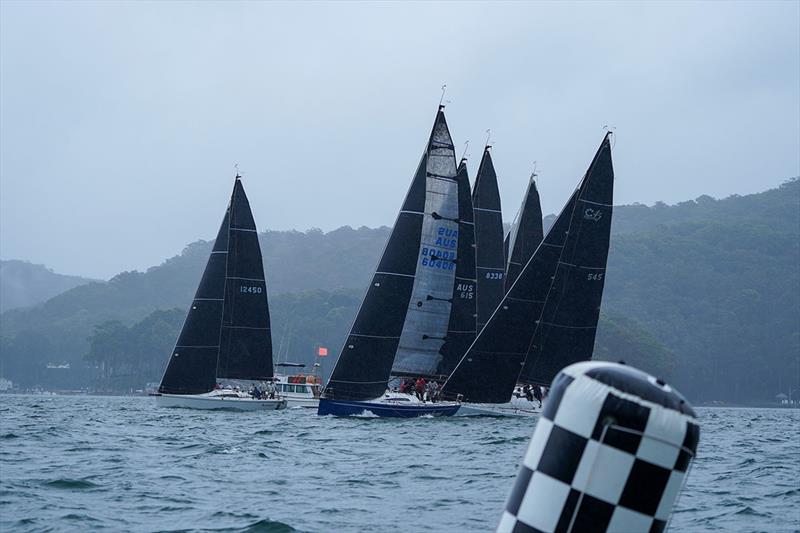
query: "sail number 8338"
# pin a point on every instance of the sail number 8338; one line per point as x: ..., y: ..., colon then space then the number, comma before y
x: 250, y: 289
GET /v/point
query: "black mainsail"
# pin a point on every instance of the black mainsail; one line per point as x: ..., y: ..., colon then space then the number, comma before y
x: 488, y: 239
x: 388, y: 311
x: 548, y: 318
x: 461, y: 329
x: 226, y: 333
x: 525, y: 235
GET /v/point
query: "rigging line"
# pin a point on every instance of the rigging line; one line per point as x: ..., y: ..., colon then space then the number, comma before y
x: 444, y: 89
x: 488, y: 138
x: 466, y: 147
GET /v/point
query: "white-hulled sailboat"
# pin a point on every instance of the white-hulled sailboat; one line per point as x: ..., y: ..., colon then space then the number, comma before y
x: 223, y: 356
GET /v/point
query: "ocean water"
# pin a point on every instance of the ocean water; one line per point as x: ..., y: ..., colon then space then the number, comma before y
x: 77, y: 463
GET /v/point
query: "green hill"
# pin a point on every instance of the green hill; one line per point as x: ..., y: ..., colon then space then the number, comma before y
x: 705, y: 293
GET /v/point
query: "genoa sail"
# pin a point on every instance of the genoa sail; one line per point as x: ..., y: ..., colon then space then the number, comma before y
x: 525, y: 235
x: 226, y: 331
x: 490, y: 256
x: 364, y: 365
x: 461, y: 329
x: 548, y: 318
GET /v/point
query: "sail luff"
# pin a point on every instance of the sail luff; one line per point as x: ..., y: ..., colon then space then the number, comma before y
x: 492, y: 365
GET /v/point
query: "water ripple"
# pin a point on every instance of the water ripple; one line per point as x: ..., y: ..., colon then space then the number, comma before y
x: 79, y: 463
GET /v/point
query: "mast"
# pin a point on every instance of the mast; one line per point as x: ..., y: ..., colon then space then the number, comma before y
x: 461, y: 329
x: 548, y: 318
x: 526, y: 233
x: 365, y: 362
x: 488, y: 239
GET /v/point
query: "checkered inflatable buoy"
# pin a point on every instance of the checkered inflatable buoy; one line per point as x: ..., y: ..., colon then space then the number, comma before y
x: 610, y: 452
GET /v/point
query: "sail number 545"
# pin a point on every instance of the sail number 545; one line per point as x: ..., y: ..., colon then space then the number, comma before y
x: 594, y: 277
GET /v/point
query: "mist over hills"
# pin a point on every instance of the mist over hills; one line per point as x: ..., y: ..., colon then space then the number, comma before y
x: 705, y: 293
x: 23, y: 284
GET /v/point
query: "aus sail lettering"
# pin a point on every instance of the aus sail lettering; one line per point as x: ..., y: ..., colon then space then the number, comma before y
x: 447, y: 238
x: 465, y: 291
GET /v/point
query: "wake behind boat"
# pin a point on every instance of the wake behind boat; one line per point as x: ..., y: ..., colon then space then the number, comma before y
x: 223, y: 356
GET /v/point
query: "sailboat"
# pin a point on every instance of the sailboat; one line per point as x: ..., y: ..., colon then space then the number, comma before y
x: 226, y: 335
x: 548, y: 318
x: 526, y: 233
x: 404, y: 319
x: 489, y: 245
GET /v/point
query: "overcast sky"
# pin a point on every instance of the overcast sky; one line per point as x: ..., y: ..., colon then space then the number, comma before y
x: 121, y: 122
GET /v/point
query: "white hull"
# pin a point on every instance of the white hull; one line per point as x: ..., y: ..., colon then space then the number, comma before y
x: 204, y: 401
x: 301, y: 401
x: 518, y: 407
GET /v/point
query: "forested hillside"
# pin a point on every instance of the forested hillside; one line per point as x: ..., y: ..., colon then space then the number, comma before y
x: 705, y: 293
x: 23, y: 284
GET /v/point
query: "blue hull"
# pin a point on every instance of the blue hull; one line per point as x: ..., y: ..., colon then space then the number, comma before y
x: 350, y: 408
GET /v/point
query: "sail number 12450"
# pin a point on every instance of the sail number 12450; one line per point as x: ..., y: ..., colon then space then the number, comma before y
x: 250, y: 289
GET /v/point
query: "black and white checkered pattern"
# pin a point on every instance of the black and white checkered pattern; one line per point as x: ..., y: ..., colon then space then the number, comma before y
x: 609, y: 453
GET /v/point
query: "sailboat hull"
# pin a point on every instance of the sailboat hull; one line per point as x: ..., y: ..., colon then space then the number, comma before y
x: 385, y: 410
x: 202, y: 401
x: 517, y: 407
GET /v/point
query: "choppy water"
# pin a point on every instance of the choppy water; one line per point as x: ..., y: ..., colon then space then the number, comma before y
x: 92, y: 463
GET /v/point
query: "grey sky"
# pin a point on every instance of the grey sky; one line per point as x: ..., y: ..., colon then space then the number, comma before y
x: 121, y: 121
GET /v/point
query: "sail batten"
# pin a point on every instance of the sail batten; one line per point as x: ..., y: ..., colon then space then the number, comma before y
x: 548, y: 317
